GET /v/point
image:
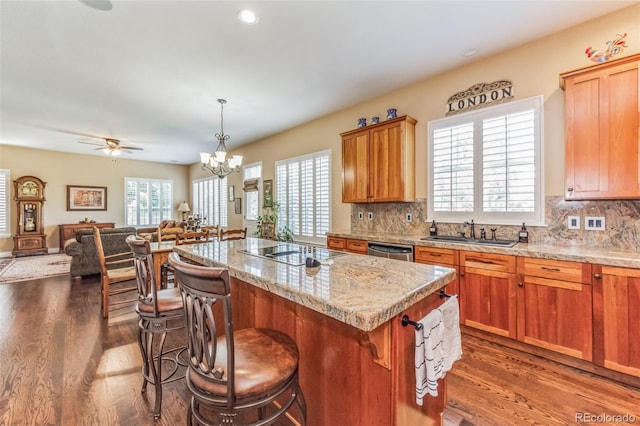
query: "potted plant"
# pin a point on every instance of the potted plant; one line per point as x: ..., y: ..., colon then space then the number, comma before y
x: 267, y: 223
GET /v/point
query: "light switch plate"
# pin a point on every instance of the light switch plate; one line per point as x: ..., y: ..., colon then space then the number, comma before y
x: 360, y: 215
x: 370, y: 215
x: 573, y: 222
x: 409, y: 217
x: 594, y: 223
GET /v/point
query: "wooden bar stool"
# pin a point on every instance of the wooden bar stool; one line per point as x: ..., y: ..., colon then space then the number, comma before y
x: 243, y: 377
x: 159, y: 312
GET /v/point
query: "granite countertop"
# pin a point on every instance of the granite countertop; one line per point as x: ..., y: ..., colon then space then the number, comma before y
x: 593, y: 255
x: 359, y: 290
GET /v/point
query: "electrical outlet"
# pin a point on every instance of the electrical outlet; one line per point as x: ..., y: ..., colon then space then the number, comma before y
x: 594, y: 223
x: 573, y: 222
x: 409, y: 217
x: 370, y: 215
x: 360, y: 215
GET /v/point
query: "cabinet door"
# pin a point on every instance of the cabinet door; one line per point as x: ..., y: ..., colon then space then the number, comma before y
x: 488, y: 292
x: 440, y: 257
x: 555, y: 315
x: 387, y: 163
x: 336, y: 243
x: 601, y: 114
x: 616, y: 297
x: 355, y: 167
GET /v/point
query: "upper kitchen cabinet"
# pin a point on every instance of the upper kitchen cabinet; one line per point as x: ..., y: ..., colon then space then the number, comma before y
x: 378, y: 162
x: 602, y: 137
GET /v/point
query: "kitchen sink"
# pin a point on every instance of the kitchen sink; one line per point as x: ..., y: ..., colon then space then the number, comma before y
x: 465, y: 240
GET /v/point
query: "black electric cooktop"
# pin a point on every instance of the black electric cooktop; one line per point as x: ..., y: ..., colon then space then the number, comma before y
x: 292, y: 254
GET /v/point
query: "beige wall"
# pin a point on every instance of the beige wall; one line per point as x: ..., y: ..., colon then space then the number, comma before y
x: 60, y: 169
x: 533, y: 69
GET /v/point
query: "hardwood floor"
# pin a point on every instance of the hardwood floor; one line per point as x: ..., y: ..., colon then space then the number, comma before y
x: 61, y: 364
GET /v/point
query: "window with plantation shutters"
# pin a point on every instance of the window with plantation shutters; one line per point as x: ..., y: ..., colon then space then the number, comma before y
x: 210, y: 197
x: 148, y: 201
x: 486, y: 165
x: 5, y: 190
x: 303, y: 192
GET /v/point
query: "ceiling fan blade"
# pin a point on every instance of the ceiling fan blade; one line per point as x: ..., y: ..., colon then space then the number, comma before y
x: 91, y: 143
x: 132, y: 148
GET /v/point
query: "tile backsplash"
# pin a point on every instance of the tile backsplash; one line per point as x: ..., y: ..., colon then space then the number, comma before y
x: 621, y: 218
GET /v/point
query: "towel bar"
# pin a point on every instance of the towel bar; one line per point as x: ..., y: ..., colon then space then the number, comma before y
x: 406, y: 321
x: 405, y: 318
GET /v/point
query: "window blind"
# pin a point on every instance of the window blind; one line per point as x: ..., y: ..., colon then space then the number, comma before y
x: 210, y: 200
x: 4, y: 202
x: 148, y: 201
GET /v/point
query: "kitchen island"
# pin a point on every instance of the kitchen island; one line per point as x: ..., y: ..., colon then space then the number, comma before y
x: 356, y: 358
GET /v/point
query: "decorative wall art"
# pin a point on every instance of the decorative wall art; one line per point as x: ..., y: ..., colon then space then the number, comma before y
x: 614, y: 47
x: 267, y: 189
x: 238, y: 205
x: 479, y: 96
x: 232, y: 193
x: 86, y: 198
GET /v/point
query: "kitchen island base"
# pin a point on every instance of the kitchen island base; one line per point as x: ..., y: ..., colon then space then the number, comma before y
x: 348, y: 376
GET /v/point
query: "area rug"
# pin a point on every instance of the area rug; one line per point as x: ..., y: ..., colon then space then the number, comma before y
x: 33, y: 267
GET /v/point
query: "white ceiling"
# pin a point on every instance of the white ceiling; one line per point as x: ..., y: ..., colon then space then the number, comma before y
x: 149, y: 72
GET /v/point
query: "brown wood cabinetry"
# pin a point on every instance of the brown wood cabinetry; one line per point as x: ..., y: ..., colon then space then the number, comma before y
x: 348, y: 244
x: 348, y: 376
x: 554, y: 309
x: 616, y: 318
x: 488, y: 292
x: 440, y: 257
x: 68, y: 231
x: 602, y: 130
x: 378, y: 162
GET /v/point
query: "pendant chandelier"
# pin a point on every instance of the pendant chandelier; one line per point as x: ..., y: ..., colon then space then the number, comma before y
x: 218, y: 163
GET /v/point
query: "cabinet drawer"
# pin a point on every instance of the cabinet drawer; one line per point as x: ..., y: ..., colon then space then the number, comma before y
x: 433, y: 255
x: 488, y: 261
x: 357, y: 246
x: 555, y: 269
x: 336, y: 243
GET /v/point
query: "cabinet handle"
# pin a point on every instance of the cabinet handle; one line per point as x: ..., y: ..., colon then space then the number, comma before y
x: 570, y: 189
x: 520, y: 284
x: 546, y: 268
x: 462, y: 274
x: 597, y: 276
x: 487, y: 262
x: 435, y: 254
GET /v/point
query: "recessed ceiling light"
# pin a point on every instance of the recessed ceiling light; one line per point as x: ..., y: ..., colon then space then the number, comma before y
x: 470, y: 52
x: 247, y: 16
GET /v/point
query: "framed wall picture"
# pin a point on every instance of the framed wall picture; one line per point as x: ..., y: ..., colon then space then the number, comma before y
x: 232, y: 193
x: 238, y: 205
x: 86, y: 198
x: 267, y: 191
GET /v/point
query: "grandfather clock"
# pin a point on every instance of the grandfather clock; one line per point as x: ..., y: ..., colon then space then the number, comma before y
x: 30, y: 237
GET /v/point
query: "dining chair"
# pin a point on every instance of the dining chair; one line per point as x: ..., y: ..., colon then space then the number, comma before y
x: 192, y: 237
x: 233, y: 234
x: 114, y: 268
x: 243, y: 377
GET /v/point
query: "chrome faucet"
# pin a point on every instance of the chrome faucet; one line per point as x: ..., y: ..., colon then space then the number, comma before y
x: 473, y: 229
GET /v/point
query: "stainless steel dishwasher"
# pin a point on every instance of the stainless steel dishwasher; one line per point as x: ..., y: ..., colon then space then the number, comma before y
x: 391, y: 251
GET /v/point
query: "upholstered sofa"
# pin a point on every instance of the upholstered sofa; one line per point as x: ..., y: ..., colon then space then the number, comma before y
x: 167, y: 230
x: 82, y: 249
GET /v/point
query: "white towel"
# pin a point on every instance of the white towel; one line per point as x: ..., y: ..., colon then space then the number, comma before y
x: 438, y: 346
x: 452, y: 346
x: 429, y: 359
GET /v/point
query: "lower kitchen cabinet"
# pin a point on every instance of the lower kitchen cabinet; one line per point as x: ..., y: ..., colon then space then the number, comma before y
x: 348, y: 244
x: 440, y: 257
x: 554, y: 306
x: 616, y: 302
x: 488, y: 292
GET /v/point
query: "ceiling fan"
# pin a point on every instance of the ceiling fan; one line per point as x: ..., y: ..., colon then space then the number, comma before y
x: 113, y: 147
